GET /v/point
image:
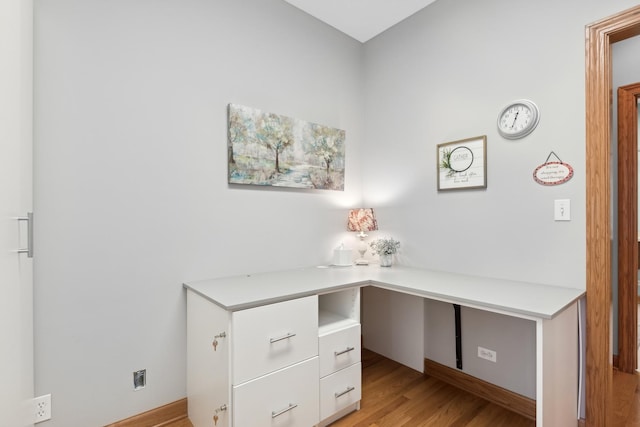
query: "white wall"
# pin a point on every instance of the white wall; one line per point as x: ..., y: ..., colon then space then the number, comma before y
x: 130, y: 163
x: 131, y: 188
x: 513, y: 340
x: 443, y: 75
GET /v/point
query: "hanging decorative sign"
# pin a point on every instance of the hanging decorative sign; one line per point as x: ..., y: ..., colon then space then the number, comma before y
x: 553, y: 173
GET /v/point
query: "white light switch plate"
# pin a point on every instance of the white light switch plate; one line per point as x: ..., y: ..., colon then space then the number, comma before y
x: 562, y: 210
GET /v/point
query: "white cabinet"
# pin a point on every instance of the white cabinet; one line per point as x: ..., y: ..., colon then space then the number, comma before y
x: 271, y: 337
x: 288, y: 397
x: 340, y: 390
x: 241, y: 362
x: 208, y: 373
x: 339, y: 350
x: 278, y: 364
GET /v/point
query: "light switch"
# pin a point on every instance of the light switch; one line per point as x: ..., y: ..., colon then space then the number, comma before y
x: 562, y: 210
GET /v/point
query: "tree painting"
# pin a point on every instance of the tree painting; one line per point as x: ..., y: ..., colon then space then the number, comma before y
x: 270, y: 149
x: 274, y: 132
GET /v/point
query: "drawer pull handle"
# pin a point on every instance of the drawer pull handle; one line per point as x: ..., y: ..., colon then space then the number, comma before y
x: 286, y: 337
x: 349, y: 389
x: 347, y: 350
x: 283, y: 411
x: 29, y: 248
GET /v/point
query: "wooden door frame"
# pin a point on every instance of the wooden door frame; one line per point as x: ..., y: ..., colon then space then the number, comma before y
x: 628, y: 227
x: 599, y: 374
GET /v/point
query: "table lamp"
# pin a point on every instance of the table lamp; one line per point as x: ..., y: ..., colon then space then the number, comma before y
x: 362, y: 220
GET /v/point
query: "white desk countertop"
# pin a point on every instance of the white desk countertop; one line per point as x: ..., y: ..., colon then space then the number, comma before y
x: 523, y: 298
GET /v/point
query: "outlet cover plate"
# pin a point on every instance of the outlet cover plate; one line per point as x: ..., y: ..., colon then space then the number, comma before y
x: 562, y: 210
x: 42, y: 408
x: 485, y: 353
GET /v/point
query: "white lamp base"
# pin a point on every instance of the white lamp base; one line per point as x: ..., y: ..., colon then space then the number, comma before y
x: 362, y: 249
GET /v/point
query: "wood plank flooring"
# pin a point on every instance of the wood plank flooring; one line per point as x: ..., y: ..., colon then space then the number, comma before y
x: 394, y: 396
x: 626, y: 400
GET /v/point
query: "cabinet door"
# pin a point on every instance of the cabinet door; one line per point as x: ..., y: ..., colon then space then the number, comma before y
x: 339, y: 390
x: 288, y: 397
x: 273, y: 336
x: 208, y: 385
x: 339, y: 349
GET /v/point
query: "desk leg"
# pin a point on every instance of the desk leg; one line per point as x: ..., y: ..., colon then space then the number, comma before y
x: 557, y: 369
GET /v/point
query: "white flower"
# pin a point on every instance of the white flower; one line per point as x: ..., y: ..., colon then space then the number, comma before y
x: 386, y: 246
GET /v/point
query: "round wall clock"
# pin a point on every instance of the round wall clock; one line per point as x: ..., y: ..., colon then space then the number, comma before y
x: 518, y: 119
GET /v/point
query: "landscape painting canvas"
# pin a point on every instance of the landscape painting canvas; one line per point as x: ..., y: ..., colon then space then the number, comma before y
x: 270, y: 149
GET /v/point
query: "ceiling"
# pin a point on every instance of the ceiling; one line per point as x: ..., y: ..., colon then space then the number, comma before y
x: 361, y: 19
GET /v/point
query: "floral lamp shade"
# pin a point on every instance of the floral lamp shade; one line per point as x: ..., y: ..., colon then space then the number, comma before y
x: 362, y: 220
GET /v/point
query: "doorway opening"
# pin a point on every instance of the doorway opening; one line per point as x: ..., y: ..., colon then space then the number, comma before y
x: 628, y: 262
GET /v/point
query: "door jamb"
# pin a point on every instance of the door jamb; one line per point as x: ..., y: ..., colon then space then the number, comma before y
x: 599, y: 374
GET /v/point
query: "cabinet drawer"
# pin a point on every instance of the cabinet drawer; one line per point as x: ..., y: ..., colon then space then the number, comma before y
x: 339, y: 390
x: 273, y: 336
x: 288, y: 397
x: 339, y: 349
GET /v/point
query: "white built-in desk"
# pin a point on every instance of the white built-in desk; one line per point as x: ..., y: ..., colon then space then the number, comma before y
x: 222, y: 302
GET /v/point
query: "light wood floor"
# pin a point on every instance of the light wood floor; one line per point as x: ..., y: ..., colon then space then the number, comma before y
x: 396, y: 396
x: 626, y: 400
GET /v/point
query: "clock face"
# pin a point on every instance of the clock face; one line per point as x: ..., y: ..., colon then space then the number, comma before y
x: 518, y: 119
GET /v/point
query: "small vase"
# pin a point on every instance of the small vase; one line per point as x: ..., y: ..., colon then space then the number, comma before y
x: 385, y: 260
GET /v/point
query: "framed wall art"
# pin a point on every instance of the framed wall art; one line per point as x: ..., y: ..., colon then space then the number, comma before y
x: 273, y: 150
x: 462, y: 164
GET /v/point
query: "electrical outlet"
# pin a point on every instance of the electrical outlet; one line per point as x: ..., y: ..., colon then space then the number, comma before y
x: 139, y: 379
x: 485, y: 353
x: 42, y: 408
